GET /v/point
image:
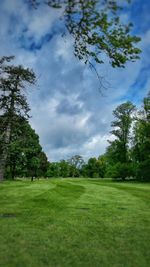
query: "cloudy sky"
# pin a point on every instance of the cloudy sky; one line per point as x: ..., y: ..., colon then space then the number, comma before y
x: 68, y: 112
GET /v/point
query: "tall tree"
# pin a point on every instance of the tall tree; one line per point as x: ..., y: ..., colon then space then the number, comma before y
x: 118, y: 151
x: 97, y: 28
x: 13, y: 102
x: 141, y: 141
x: 121, y: 131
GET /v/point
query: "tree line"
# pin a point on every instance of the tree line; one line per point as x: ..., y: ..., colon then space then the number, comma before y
x: 126, y: 157
x: 129, y: 154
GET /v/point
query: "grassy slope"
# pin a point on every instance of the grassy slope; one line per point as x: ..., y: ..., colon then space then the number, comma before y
x: 74, y: 223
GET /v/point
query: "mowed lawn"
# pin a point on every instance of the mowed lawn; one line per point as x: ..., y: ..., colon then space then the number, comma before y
x: 74, y: 222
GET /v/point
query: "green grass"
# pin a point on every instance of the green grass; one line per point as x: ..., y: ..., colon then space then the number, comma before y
x: 74, y: 222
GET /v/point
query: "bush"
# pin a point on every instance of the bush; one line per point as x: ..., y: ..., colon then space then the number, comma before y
x: 143, y: 171
x: 121, y: 171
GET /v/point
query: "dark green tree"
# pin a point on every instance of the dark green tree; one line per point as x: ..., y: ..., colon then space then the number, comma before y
x: 13, y: 102
x: 32, y: 153
x: 43, y: 164
x: 25, y: 155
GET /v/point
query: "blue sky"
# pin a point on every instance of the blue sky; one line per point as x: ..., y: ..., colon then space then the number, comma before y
x: 68, y: 112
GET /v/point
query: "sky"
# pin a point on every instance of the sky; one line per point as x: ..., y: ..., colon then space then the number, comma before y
x: 69, y: 113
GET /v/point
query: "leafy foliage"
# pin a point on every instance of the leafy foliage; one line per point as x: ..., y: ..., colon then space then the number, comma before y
x: 25, y: 155
x: 118, y: 150
x: 97, y: 29
x: 141, y: 141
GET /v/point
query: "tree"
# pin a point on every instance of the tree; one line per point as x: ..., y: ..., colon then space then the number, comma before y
x: 76, y: 163
x: 141, y: 141
x: 64, y: 168
x: 92, y: 168
x: 43, y: 164
x: 25, y: 155
x: 102, y: 160
x: 118, y: 151
x: 53, y: 169
x: 32, y: 153
x: 96, y: 28
x: 122, y: 125
x: 13, y: 102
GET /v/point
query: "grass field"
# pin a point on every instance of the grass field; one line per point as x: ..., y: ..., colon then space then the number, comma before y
x: 74, y: 222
